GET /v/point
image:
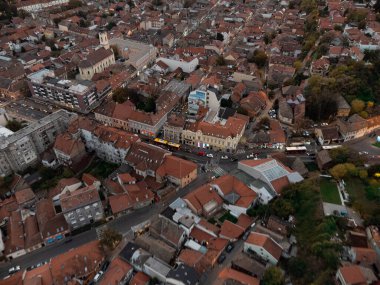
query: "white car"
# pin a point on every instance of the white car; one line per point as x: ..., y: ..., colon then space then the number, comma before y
x: 14, y: 269
x: 209, y: 155
x: 224, y: 157
x: 250, y: 155
x: 98, y: 275
x: 324, y: 124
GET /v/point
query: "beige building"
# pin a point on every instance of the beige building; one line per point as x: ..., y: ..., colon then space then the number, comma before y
x: 97, y: 61
x: 224, y: 137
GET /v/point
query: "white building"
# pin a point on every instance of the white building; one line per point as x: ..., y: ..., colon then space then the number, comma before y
x: 187, y: 66
x: 271, y: 172
x: 263, y: 246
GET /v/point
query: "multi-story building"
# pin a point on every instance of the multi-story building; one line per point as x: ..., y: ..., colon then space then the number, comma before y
x: 110, y: 144
x: 82, y: 207
x: 127, y: 117
x: 173, y: 129
x: 81, y: 96
x: 202, y: 98
x: 35, y: 6
x: 218, y: 136
x: 23, y: 148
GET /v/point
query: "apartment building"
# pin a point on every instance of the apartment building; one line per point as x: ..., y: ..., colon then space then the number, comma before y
x: 23, y: 148
x: 80, y: 96
x: 82, y: 207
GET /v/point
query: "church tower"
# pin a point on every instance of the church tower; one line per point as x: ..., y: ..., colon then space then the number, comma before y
x: 103, y: 39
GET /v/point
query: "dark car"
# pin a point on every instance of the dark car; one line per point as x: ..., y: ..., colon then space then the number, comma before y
x: 68, y: 240
x: 229, y: 247
x: 233, y: 159
x: 246, y: 234
x: 105, y: 265
x: 221, y: 258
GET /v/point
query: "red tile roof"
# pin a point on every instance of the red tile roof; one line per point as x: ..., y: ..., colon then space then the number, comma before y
x: 176, y: 167
x: 231, y: 274
x: 266, y: 242
x: 230, y: 230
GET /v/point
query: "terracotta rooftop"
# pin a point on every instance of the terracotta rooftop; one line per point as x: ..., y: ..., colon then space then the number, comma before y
x: 266, y: 242
x: 176, y: 167
x: 78, y: 198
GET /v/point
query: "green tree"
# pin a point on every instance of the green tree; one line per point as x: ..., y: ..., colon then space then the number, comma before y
x: 220, y: 60
x: 109, y: 238
x: 14, y: 125
x: 273, y: 276
x: 282, y: 208
x: 259, y: 57
x: 150, y: 105
x: 74, y: 4
x: 357, y: 106
x: 338, y: 171
x: 297, y: 267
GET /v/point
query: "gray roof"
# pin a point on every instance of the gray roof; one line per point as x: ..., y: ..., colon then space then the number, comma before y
x: 184, y: 273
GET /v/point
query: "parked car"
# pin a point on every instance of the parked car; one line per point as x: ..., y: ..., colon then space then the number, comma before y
x: 246, y: 235
x: 229, y: 247
x: 221, y: 258
x: 98, y: 276
x: 224, y: 157
x: 14, y: 269
x: 105, y: 265
x: 201, y: 153
x: 233, y: 159
x: 250, y: 155
x: 210, y: 155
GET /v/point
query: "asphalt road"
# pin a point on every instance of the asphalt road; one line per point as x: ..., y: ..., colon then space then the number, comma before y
x: 122, y: 224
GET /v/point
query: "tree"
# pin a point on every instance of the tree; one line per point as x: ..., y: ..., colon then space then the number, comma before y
x: 220, y: 60
x: 259, y: 57
x: 297, y: 267
x: 150, y: 105
x: 338, y: 171
x: 357, y: 106
x: 273, y: 276
x: 111, y: 25
x: 109, y: 238
x: 74, y: 4
x: 282, y: 208
x: 14, y: 125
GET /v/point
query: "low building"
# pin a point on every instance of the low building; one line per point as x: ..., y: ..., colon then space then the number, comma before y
x: 254, y: 103
x: 118, y: 272
x: 78, y: 263
x: 264, y: 247
x: 168, y: 232
x: 53, y: 227
x: 238, y: 196
x: 229, y: 275
x: 352, y: 128
x: 177, y: 171
x: 145, y: 158
x: 343, y: 107
x: 156, y: 268
x: 355, y: 275
x: 14, y: 245
x: 68, y: 150
x: 187, y: 65
x: 204, y: 201
x: 182, y: 274
x: 324, y: 160
x: 328, y: 135
x: 82, y: 207
x: 272, y: 172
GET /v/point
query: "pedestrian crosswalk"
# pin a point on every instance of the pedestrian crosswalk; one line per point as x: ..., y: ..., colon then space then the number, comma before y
x: 219, y: 171
x: 240, y: 151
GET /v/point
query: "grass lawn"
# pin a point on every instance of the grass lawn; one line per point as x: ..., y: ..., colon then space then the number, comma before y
x: 329, y: 191
x: 376, y: 144
x: 229, y: 217
x: 359, y: 200
x: 101, y: 169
